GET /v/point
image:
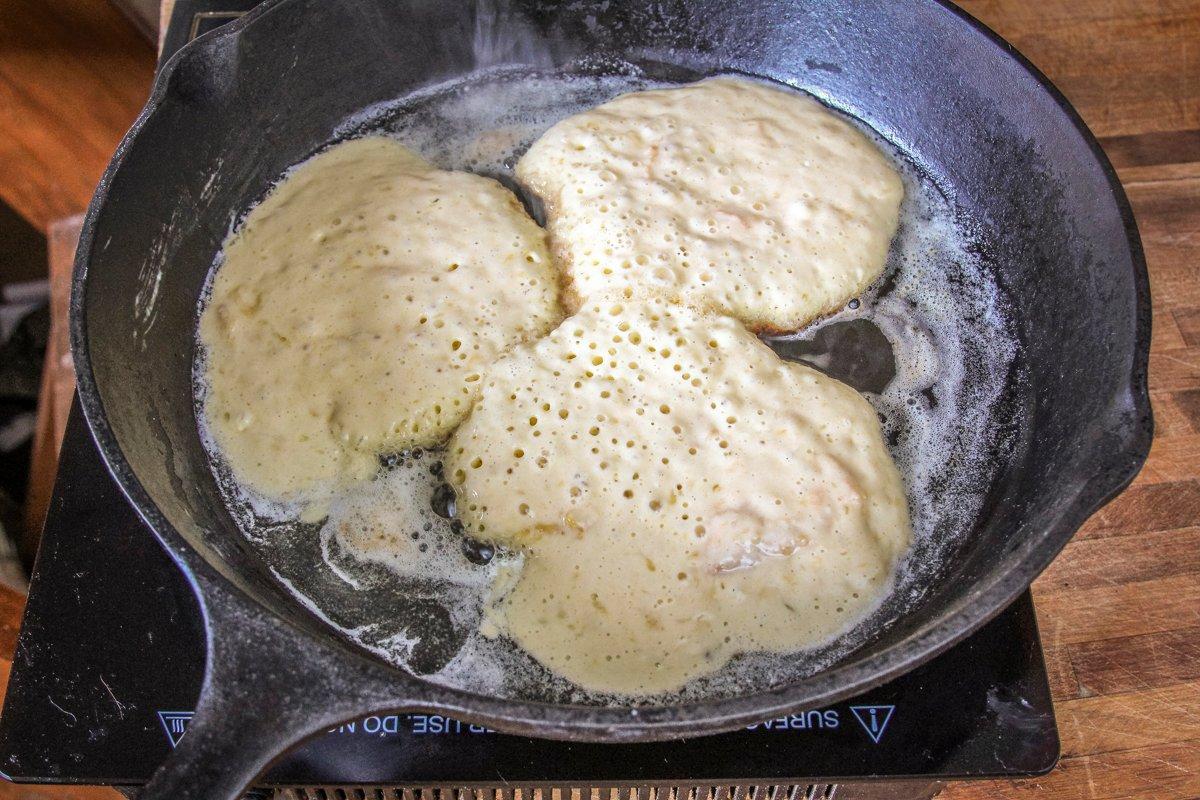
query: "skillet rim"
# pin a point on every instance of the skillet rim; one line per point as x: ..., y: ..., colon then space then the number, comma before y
x: 613, y: 723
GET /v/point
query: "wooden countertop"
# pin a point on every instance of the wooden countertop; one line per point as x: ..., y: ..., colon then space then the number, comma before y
x: 1120, y: 608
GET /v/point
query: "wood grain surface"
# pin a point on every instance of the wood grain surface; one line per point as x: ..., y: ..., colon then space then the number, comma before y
x: 1120, y: 609
x: 58, y: 384
x: 73, y: 75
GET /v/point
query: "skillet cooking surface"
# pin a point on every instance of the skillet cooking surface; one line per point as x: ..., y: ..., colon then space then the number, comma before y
x: 931, y: 343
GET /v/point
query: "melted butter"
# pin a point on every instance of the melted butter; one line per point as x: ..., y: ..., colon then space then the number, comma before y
x: 680, y: 495
x: 355, y: 310
x: 390, y: 521
x: 727, y: 194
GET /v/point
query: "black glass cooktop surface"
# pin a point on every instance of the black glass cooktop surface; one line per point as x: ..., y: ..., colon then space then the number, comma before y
x: 111, y: 656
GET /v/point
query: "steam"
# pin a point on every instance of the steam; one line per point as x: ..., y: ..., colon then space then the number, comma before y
x: 503, y: 37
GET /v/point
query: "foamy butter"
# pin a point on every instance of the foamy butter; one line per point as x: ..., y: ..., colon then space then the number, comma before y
x: 390, y: 521
x: 728, y: 194
x: 681, y: 495
x: 355, y: 309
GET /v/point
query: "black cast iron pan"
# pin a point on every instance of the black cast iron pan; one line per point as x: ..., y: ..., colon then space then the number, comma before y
x: 231, y: 111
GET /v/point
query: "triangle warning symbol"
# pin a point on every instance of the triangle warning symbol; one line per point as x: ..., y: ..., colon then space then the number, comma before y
x: 174, y: 724
x: 874, y: 719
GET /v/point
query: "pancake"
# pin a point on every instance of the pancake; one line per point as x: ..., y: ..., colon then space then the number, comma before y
x: 725, y: 194
x: 680, y: 494
x: 355, y: 310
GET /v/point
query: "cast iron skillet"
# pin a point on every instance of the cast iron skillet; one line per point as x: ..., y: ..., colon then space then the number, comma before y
x: 231, y: 111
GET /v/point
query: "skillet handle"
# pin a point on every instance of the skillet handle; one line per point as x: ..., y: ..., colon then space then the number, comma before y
x: 214, y: 760
x: 266, y: 687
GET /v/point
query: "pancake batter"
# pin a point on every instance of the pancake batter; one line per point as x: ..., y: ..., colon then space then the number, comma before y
x: 355, y: 310
x: 681, y: 495
x: 726, y: 194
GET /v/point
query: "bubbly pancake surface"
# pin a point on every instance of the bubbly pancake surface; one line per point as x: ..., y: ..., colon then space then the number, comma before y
x: 681, y: 495
x: 726, y: 194
x: 355, y: 310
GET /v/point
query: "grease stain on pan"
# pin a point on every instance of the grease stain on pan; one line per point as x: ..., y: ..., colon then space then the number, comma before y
x: 149, y: 279
x: 210, y: 186
x: 150, y: 275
